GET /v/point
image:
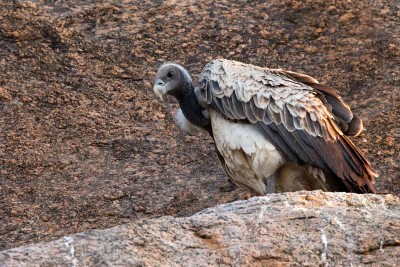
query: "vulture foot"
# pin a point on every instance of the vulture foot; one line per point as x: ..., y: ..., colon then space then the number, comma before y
x: 271, y: 182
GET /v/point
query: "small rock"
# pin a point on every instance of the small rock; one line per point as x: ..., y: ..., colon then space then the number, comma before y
x: 311, y: 49
x: 4, y: 95
x: 389, y: 141
x: 347, y: 17
x: 114, y: 195
x: 378, y: 139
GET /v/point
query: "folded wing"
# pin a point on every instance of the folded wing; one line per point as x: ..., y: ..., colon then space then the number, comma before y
x: 306, y: 121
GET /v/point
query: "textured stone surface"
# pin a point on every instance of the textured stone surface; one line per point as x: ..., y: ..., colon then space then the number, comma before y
x: 84, y: 143
x: 294, y: 229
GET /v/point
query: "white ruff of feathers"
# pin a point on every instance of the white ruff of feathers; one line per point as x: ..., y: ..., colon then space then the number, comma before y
x: 185, y: 125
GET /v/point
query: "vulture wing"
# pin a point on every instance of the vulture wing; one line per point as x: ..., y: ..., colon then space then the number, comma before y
x: 306, y: 121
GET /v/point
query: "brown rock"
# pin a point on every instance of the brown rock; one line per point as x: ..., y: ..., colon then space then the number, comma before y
x: 310, y: 49
x: 347, y: 17
x: 4, y: 94
x: 389, y: 141
x: 296, y: 229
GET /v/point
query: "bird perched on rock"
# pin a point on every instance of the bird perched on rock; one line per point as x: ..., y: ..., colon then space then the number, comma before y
x: 274, y: 130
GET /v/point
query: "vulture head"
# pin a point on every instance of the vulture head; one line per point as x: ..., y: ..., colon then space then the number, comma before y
x: 172, y: 79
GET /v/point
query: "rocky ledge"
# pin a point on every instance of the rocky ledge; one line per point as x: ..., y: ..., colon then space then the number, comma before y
x: 296, y: 229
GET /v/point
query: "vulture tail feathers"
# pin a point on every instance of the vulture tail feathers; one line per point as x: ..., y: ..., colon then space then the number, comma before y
x: 339, y: 156
x: 360, y: 155
x: 348, y: 163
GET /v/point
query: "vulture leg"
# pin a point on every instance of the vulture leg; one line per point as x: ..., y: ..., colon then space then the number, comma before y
x: 271, y: 181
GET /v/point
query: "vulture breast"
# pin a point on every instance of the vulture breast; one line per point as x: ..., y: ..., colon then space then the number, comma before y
x: 249, y: 157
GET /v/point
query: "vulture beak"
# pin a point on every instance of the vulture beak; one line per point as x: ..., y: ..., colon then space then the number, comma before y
x: 159, y: 89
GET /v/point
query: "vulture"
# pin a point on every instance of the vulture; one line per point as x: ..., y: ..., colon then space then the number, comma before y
x: 274, y: 130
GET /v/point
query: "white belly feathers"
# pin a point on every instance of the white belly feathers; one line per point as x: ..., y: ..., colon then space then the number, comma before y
x: 247, y: 153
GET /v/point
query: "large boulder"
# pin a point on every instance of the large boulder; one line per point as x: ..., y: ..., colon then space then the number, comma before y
x: 292, y: 229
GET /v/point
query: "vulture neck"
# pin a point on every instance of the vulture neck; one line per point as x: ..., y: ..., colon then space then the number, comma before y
x: 191, y: 108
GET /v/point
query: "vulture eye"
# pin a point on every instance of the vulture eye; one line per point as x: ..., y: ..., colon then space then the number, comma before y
x: 170, y: 73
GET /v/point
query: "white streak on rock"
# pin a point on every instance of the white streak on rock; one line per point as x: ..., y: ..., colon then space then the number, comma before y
x: 300, y: 209
x: 261, y: 215
x: 383, y: 203
x: 347, y: 233
x: 366, y: 212
x: 69, y: 243
x: 325, y: 249
x: 341, y: 225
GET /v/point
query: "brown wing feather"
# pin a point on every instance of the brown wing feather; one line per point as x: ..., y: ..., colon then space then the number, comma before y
x: 350, y: 124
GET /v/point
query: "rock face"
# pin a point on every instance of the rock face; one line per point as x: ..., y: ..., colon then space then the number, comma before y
x: 294, y: 229
x: 85, y: 144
